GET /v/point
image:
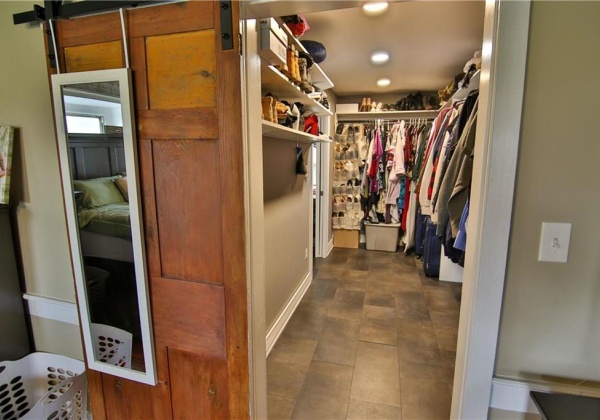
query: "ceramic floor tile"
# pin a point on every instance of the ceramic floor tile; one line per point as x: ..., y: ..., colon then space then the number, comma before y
x: 440, y: 299
x: 446, y: 339
x: 380, y: 299
x: 362, y: 410
x: 379, y: 312
x: 284, y: 379
x: 425, y: 399
x: 305, y: 324
x: 325, y: 393
x: 412, y: 305
x: 378, y: 331
x: 415, y: 332
x: 279, y: 408
x: 410, y: 370
x: 445, y: 319
x: 347, y: 304
x: 429, y: 354
x: 337, y: 342
x: 376, y: 376
x: 290, y: 350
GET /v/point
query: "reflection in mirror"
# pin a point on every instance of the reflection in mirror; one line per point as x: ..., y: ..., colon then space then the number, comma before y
x: 98, y: 164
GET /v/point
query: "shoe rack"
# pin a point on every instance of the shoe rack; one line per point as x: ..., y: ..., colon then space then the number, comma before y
x: 390, y: 115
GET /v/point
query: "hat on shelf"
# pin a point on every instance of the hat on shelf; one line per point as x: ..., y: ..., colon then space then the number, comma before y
x: 316, y: 50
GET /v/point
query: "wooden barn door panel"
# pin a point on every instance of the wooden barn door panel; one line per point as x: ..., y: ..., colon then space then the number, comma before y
x: 187, y: 98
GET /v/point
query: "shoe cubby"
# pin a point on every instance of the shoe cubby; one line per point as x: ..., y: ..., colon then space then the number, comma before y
x: 346, y: 206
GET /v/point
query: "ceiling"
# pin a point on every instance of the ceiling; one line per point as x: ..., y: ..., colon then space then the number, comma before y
x: 428, y: 41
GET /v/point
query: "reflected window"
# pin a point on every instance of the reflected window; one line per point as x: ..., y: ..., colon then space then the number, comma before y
x: 85, y: 124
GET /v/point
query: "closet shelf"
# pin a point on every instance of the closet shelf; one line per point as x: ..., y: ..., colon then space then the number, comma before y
x: 275, y: 82
x: 387, y: 115
x: 317, y: 75
x: 278, y: 131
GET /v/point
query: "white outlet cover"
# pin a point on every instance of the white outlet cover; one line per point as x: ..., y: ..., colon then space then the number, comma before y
x: 554, y: 243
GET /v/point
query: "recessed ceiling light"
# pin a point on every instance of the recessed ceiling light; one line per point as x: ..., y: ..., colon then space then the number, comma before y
x: 380, y: 57
x: 375, y: 8
x: 383, y: 82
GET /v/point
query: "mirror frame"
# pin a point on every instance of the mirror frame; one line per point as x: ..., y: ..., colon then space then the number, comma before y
x: 123, y: 76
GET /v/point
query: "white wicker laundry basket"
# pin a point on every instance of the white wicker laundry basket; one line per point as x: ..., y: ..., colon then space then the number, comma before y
x: 112, y: 345
x: 43, y: 386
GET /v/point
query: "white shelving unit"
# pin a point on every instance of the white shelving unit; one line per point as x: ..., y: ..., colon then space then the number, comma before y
x: 278, y: 84
x: 359, y: 116
x: 278, y: 131
x: 317, y: 75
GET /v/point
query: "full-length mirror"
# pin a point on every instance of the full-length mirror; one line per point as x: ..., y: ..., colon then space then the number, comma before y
x: 98, y: 162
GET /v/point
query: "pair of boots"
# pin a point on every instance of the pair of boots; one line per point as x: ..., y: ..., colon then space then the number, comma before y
x: 269, y: 109
x: 365, y: 105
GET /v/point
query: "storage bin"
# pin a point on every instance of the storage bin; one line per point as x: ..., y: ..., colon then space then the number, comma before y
x: 382, y: 237
x: 112, y: 345
x: 43, y: 386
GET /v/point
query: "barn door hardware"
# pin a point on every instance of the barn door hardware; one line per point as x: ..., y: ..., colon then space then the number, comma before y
x: 54, y: 9
x: 226, y: 25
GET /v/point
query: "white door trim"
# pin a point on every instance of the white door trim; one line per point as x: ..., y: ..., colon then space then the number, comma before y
x: 506, y: 31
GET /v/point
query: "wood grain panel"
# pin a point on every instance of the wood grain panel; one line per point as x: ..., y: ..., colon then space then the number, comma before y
x: 137, y: 48
x: 95, y: 394
x: 198, y: 123
x: 187, y: 183
x: 201, y: 388
x: 106, y: 55
x: 189, y: 316
x: 233, y: 226
x: 89, y: 30
x: 146, y: 166
x: 126, y: 399
x: 148, y: 21
x: 181, y: 70
x: 179, y: 17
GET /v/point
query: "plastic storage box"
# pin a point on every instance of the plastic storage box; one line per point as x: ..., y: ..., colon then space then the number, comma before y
x: 43, y: 386
x: 382, y: 237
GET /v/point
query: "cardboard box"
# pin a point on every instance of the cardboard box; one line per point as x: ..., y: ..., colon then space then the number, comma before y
x: 346, y: 108
x: 272, y: 42
x: 271, y: 24
x: 271, y: 49
x: 343, y: 238
x: 382, y: 237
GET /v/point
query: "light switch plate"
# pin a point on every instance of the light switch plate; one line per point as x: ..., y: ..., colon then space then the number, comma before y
x: 554, y: 244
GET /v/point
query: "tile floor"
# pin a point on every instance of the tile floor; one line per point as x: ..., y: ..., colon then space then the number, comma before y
x: 373, y: 338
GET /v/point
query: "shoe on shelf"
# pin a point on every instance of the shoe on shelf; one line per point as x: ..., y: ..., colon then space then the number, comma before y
x: 267, y: 108
x: 363, y: 105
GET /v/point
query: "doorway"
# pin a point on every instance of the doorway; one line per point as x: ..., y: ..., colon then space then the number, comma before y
x: 502, y: 49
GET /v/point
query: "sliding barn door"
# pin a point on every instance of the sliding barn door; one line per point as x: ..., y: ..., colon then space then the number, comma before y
x: 188, y: 122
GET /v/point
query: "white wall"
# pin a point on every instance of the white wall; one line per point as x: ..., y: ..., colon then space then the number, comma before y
x: 288, y: 203
x: 36, y: 195
x: 550, y: 326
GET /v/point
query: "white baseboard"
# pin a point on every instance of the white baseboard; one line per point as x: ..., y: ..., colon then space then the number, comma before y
x: 512, y: 395
x: 54, y: 309
x: 329, y: 248
x: 285, y: 315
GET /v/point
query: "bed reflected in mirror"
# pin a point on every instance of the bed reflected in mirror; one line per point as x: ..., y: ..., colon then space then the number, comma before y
x: 99, y: 165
